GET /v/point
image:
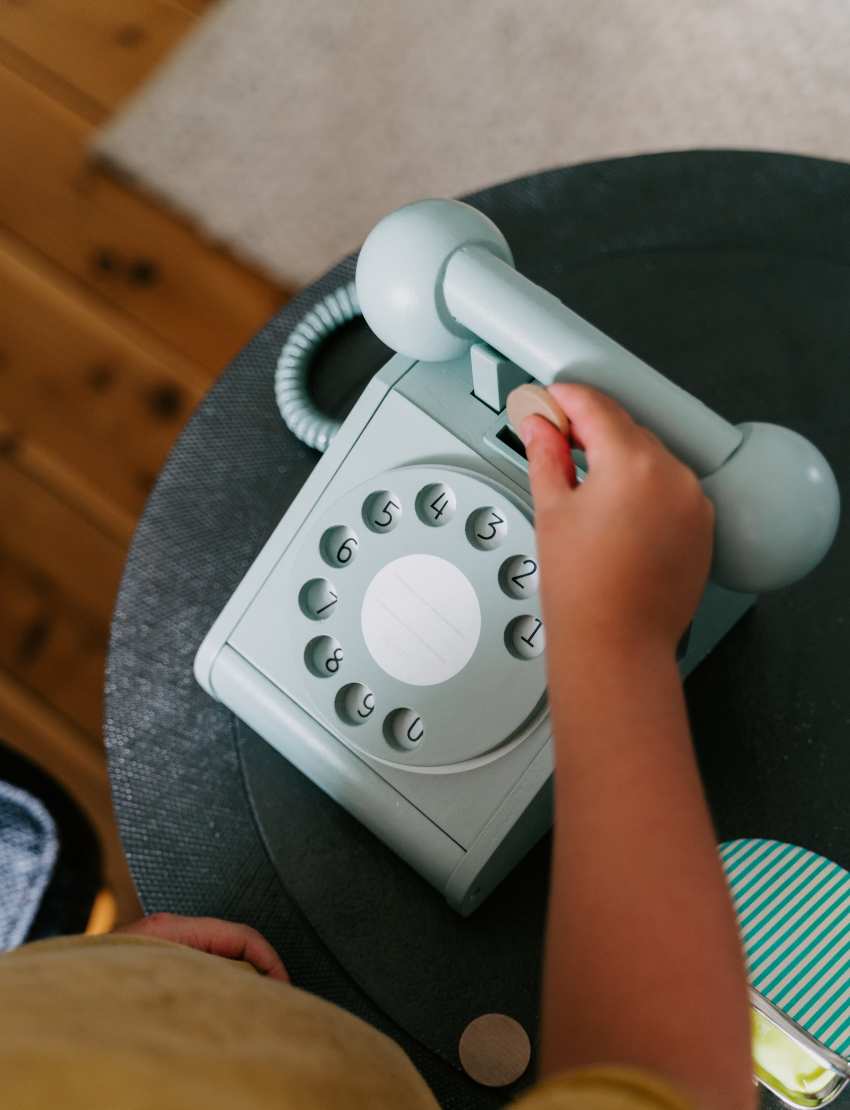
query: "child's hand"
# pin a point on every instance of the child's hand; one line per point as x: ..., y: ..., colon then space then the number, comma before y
x: 209, y: 934
x: 624, y: 556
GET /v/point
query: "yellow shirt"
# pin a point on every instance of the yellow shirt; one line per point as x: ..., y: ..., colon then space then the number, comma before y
x: 133, y: 1023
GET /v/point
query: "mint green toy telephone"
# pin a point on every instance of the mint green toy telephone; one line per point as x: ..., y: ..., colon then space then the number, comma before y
x: 388, y: 638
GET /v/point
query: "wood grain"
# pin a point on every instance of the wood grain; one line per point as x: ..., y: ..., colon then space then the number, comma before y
x: 198, y: 7
x: 196, y: 298
x: 50, y: 83
x: 90, y: 406
x: 40, y: 532
x: 115, y: 318
x: 51, y: 645
x: 104, y: 48
x: 35, y: 729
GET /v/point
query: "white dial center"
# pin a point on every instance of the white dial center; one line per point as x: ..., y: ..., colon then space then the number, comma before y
x: 421, y: 619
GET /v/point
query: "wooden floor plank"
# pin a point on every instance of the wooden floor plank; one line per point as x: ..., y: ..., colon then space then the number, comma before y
x: 50, y: 473
x: 88, y: 410
x: 57, y: 88
x: 103, y: 48
x: 40, y: 532
x: 193, y: 296
x: 115, y: 317
x: 198, y: 7
x: 51, y: 645
x: 36, y: 730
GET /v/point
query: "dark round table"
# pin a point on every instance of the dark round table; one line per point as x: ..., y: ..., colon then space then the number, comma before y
x: 727, y: 271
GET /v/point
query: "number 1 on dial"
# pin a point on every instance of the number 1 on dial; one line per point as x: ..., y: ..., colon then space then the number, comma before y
x: 526, y: 637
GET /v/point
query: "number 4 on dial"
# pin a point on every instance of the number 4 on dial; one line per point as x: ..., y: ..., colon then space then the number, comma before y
x: 436, y: 505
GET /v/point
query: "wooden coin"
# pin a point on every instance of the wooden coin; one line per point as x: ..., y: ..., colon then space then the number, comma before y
x: 494, y: 1050
x: 528, y: 400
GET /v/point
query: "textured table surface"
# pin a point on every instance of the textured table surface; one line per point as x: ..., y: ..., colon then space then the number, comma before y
x: 730, y: 273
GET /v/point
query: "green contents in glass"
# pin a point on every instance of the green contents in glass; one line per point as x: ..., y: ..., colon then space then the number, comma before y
x: 788, y: 1069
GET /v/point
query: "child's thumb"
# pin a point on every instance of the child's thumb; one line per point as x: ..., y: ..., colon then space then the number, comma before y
x: 550, y: 466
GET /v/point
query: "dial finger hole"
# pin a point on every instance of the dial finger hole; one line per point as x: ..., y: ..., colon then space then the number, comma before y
x: 317, y: 599
x: 436, y: 505
x: 487, y: 528
x: 323, y: 656
x: 355, y: 703
x: 525, y: 637
x: 382, y: 511
x: 403, y: 729
x: 339, y: 546
x: 519, y: 577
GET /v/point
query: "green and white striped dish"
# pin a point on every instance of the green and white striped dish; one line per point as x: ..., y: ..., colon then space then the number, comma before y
x: 794, y: 913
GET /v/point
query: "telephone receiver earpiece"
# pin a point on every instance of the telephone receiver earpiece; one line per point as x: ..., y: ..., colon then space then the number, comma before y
x: 437, y: 276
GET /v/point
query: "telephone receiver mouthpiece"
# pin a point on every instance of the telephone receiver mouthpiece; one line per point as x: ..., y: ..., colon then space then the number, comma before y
x: 437, y: 276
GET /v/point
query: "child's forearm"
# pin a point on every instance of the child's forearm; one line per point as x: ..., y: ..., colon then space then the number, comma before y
x: 643, y: 962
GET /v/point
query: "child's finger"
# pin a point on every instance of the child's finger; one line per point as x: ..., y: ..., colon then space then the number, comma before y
x: 210, y: 934
x: 550, y: 466
x: 598, y: 424
x: 241, y: 942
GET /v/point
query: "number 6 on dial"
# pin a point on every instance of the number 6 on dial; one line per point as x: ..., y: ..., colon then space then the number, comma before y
x: 339, y: 546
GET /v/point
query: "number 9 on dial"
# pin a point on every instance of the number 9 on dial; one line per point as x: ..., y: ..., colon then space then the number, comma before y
x: 355, y: 703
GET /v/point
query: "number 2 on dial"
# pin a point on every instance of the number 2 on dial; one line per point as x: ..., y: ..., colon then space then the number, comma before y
x: 517, y: 578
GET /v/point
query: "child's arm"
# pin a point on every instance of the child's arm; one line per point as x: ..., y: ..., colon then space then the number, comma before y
x: 643, y: 963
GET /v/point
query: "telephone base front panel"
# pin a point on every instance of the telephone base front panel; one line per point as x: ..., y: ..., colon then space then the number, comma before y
x: 388, y: 639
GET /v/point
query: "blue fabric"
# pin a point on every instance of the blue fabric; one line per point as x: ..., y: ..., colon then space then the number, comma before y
x: 28, y: 849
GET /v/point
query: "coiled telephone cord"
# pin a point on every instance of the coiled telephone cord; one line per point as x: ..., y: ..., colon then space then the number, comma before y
x: 300, y: 415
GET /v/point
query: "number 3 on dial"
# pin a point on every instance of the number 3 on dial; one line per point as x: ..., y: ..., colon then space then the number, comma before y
x: 487, y: 528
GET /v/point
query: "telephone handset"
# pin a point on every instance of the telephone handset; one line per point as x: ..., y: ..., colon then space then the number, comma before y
x: 388, y: 638
x: 435, y: 276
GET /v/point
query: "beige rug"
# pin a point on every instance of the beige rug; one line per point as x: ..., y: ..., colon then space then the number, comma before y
x: 287, y: 128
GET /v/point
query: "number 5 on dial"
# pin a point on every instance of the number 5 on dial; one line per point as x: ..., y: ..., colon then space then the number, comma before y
x: 382, y: 511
